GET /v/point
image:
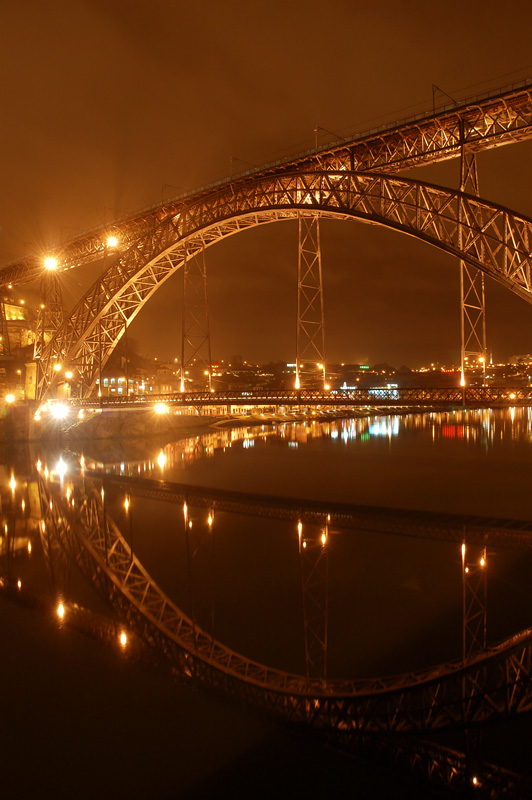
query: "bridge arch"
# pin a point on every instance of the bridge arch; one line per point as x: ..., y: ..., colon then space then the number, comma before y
x: 449, y: 695
x: 488, y: 236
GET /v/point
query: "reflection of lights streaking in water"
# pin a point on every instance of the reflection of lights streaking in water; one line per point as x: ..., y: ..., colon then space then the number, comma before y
x: 161, y: 459
x: 29, y: 548
x: 61, y: 468
x: 210, y: 520
x: 13, y: 483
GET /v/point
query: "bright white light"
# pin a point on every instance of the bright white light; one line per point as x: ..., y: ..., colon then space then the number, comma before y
x: 68, y: 374
x: 112, y: 241
x: 50, y: 263
x: 123, y: 639
x: 161, y: 459
x: 61, y: 468
x: 10, y: 398
x: 57, y: 367
x: 161, y: 408
x: 60, y: 611
x: 59, y: 411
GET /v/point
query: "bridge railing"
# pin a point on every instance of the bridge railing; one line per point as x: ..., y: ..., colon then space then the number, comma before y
x: 470, y: 396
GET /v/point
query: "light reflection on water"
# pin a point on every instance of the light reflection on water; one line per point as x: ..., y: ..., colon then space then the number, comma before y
x: 394, y: 604
x: 474, y: 462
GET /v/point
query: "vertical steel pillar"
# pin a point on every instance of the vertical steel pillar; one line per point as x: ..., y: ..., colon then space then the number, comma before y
x: 310, y: 340
x: 472, y: 296
x: 195, y: 339
x: 314, y: 568
x: 199, y: 541
x: 49, y: 319
x: 474, y: 594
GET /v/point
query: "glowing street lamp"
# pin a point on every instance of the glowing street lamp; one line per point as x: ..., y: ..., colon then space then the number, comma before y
x: 112, y: 241
x: 50, y: 263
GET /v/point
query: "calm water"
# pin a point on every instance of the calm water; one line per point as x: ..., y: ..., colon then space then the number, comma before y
x: 394, y: 603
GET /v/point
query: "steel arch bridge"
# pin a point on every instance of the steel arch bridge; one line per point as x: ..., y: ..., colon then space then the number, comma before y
x: 489, y: 237
x: 349, y: 179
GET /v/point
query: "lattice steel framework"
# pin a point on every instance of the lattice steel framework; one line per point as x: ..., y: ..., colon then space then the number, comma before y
x: 487, y: 236
x: 50, y: 318
x: 495, y: 684
x: 474, y: 594
x: 472, y: 294
x: 195, y: 339
x: 468, y: 396
x: 310, y: 338
x: 314, y: 569
x: 491, y: 120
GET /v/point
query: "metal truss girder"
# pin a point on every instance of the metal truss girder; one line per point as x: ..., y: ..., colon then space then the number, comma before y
x: 496, y: 684
x: 412, y: 399
x: 493, y: 239
x: 481, y: 124
x: 437, y: 766
x: 444, y: 527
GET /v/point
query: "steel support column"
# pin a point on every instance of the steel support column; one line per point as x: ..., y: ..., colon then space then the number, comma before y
x: 472, y: 295
x: 195, y: 339
x: 474, y: 592
x: 49, y: 319
x: 314, y: 566
x: 310, y: 340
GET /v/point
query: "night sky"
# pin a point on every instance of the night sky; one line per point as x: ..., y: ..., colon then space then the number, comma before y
x: 109, y: 106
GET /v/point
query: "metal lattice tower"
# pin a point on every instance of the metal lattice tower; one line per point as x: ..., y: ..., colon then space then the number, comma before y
x: 474, y: 592
x: 310, y: 341
x: 195, y: 340
x: 472, y: 295
x: 314, y: 566
x: 50, y: 318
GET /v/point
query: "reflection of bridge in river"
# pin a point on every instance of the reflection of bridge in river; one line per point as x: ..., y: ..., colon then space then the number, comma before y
x: 485, y: 684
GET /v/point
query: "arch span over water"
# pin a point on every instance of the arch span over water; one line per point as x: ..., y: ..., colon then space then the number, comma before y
x: 488, y: 236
